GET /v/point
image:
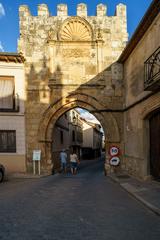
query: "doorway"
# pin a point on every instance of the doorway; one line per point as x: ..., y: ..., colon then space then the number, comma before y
x: 154, y: 123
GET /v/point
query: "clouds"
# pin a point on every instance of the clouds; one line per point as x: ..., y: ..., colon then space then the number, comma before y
x: 1, y: 47
x: 2, y: 11
x: 2, y: 14
x: 86, y: 115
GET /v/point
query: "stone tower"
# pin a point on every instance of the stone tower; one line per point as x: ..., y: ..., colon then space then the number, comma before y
x: 70, y: 59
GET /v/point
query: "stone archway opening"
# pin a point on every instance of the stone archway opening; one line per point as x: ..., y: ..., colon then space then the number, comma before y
x: 78, y: 131
x: 56, y: 110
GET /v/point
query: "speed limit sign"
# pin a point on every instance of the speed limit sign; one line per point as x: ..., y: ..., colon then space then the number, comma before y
x: 113, y: 151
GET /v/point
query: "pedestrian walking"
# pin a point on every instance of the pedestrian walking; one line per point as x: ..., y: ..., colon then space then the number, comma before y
x: 63, y: 160
x: 74, y: 161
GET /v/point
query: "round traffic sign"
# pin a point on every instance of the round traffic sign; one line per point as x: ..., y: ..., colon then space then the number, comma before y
x: 114, y: 161
x: 113, y: 151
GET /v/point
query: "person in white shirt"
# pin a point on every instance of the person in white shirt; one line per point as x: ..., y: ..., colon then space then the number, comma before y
x: 74, y: 161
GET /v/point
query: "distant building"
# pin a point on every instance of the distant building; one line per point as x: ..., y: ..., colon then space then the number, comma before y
x: 60, y: 138
x: 67, y: 135
x: 76, y: 131
x: 12, y: 121
x: 92, y: 140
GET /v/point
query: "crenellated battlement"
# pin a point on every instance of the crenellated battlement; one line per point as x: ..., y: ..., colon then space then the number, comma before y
x: 24, y: 11
x: 61, y: 36
x: 82, y: 10
x: 121, y: 10
x: 62, y: 10
x: 43, y: 10
x: 101, y: 10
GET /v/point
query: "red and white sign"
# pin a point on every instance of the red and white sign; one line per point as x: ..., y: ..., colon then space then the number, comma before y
x: 114, y: 161
x: 113, y: 151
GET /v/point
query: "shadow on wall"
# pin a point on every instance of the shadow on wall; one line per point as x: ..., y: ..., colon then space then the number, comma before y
x: 45, y: 89
x: 39, y: 96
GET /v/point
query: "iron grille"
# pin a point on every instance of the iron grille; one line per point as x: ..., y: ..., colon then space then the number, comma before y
x: 152, y: 71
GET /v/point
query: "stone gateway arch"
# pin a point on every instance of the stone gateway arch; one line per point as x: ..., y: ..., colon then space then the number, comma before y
x: 51, y: 115
x: 71, y: 62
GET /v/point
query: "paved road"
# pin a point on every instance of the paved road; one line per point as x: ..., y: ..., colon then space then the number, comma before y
x: 88, y: 206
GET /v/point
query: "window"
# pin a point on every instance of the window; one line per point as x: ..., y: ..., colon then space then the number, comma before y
x: 73, y: 136
x: 6, y: 92
x: 73, y: 116
x: 7, y: 141
x: 61, y: 136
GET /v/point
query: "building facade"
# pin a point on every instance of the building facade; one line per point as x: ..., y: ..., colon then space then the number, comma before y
x: 60, y: 139
x: 12, y: 119
x: 75, y: 131
x: 69, y: 64
x: 83, y: 61
x: 67, y: 134
x: 141, y: 67
x: 92, y: 140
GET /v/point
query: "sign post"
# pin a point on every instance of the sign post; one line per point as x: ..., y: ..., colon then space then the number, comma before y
x: 36, y: 158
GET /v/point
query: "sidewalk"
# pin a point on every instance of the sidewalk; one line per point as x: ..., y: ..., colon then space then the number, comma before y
x: 147, y: 192
x: 24, y: 175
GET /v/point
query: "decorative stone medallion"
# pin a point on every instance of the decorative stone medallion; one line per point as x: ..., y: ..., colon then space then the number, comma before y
x: 75, y: 29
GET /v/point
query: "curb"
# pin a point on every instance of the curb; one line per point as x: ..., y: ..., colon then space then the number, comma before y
x: 25, y: 176
x: 146, y: 203
x: 140, y: 199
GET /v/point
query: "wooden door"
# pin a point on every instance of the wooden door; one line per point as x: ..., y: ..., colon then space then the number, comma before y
x: 155, y: 145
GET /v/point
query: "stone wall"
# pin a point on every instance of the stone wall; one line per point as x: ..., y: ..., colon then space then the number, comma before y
x: 136, y: 129
x: 68, y: 55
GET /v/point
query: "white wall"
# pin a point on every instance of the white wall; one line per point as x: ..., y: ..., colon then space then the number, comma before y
x: 15, y: 120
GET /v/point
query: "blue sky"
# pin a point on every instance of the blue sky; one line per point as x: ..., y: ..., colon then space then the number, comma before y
x: 9, y: 28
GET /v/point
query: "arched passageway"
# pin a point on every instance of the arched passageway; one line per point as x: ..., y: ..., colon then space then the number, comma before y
x: 54, y: 112
x: 80, y: 132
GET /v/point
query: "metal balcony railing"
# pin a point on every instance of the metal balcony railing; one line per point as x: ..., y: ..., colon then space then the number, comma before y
x: 152, y: 71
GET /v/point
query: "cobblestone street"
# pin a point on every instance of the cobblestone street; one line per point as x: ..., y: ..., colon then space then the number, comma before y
x: 64, y: 207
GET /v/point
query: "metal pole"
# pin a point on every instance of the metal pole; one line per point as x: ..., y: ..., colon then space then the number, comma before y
x: 34, y: 168
x: 39, y: 167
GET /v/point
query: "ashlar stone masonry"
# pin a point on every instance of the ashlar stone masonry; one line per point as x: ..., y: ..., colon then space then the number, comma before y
x: 70, y: 62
